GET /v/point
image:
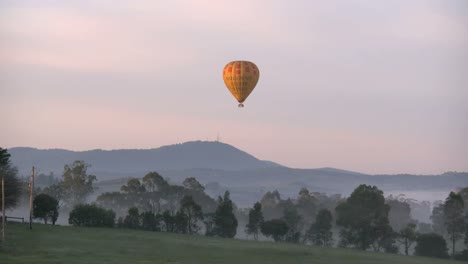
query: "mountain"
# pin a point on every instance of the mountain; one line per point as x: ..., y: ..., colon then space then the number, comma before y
x: 189, y: 155
x: 223, y: 167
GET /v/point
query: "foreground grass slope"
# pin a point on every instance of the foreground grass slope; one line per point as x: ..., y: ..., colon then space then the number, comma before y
x: 55, y: 244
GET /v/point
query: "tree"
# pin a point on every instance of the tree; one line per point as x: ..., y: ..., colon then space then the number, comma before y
x: 255, y: 220
x: 320, y: 233
x: 464, y: 254
x: 56, y: 191
x: 360, y: 215
x: 155, y: 185
x: 45, y: 207
x: 275, y: 228
x: 132, y: 220
x: 76, y: 183
x: 180, y: 222
x: 169, y: 221
x: 208, y: 221
x: 192, y: 184
x: 116, y: 201
x: 399, y: 215
x: 454, y: 219
x: 153, y: 181
x: 306, y: 206
x: 192, y: 212
x: 438, y: 219
x: 407, y: 236
x: 225, y: 221
x: 90, y: 215
x: 270, y: 202
x: 149, y: 221
x: 431, y: 245
x: 133, y: 186
x: 383, y: 236
x: 12, y: 184
x: 293, y: 220
x: 464, y: 194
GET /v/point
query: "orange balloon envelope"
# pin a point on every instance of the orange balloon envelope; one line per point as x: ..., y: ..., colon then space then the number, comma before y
x: 240, y: 78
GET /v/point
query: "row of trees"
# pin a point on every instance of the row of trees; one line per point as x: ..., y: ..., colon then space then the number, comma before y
x: 362, y: 221
x: 153, y: 193
x: 187, y: 220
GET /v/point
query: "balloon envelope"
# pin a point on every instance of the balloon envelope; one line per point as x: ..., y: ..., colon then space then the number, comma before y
x: 240, y: 78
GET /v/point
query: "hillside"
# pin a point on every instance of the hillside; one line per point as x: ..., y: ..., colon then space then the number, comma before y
x: 55, y: 244
x: 189, y: 155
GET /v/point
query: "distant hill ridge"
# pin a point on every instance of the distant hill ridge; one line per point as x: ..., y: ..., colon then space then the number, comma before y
x: 220, y: 164
x: 189, y: 155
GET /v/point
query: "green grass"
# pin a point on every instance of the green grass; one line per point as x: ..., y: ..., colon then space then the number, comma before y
x: 55, y: 244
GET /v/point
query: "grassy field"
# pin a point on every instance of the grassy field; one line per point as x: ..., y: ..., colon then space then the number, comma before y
x: 55, y: 244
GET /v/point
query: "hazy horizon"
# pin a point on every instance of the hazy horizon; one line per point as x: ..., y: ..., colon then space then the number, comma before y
x: 259, y: 158
x: 369, y: 86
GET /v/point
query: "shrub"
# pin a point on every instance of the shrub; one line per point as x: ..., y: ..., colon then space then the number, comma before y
x: 462, y: 255
x: 91, y: 215
x: 132, y: 220
x: 45, y: 207
x: 431, y: 245
x: 276, y: 228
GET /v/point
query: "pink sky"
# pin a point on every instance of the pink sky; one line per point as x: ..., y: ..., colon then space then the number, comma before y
x: 370, y: 86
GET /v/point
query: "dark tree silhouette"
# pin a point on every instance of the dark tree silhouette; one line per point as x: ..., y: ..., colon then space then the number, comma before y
x: 438, y: 220
x: 132, y: 220
x: 361, y: 216
x: 294, y: 221
x: 276, y: 228
x: 180, y: 220
x: 45, y: 207
x: 320, y: 233
x: 133, y: 186
x: 407, y: 236
x: 255, y: 220
x: 169, y: 221
x: 12, y: 183
x: 153, y: 181
x: 225, y: 222
x: 149, y: 221
x: 431, y: 245
x: 192, y: 212
x: 454, y: 219
x: 91, y: 215
x: 192, y: 184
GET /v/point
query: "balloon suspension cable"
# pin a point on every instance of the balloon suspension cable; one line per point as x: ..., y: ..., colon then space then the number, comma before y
x: 241, y: 105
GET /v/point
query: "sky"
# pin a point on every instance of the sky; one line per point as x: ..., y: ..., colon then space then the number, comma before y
x: 371, y: 86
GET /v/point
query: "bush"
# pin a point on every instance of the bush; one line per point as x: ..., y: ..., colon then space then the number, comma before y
x: 276, y: 228
x: 132, y: 220
x: 431, y: 245
x: 462, y: 256
x: 45, y: 207
x: 91, y: 215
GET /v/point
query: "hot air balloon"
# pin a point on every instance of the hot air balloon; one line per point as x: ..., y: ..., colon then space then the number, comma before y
x: 240, y: 78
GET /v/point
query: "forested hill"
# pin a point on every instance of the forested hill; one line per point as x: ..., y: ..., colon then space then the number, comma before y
x: 189, y: 155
